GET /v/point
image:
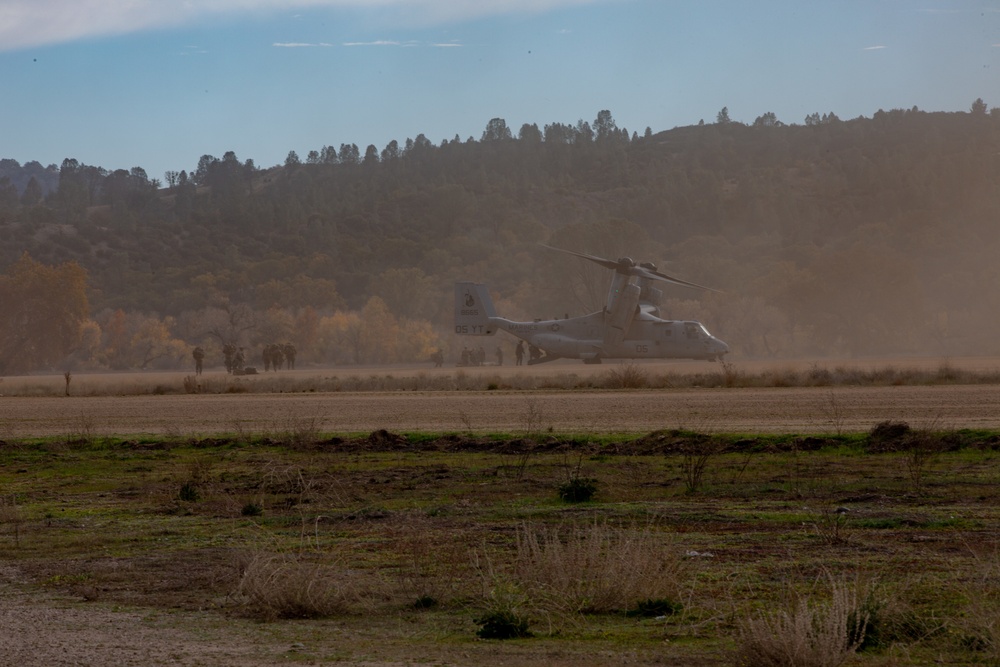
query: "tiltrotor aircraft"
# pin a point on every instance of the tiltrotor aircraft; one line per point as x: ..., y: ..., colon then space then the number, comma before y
x: 629, y: 326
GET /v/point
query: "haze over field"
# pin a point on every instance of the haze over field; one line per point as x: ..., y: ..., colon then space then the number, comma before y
x: 833, y: 173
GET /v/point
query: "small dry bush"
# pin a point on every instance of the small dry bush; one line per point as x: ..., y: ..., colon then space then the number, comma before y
x: 626, y: 376
x: 809, y: 634
x: 287, y: 586
x: 694, y: 461
x: 296, y: 430
x: 596, y: 568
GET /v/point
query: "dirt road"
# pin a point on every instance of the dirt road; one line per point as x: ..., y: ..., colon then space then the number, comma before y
x: 777, y: 410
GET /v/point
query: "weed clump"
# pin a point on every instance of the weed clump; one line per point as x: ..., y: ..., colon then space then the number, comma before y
x: 189, y: 492
x: 504, y: 624
x: 425, y: 602
x: 888, y: 436
x: 252, y: 509
x: 578, y: 490
x: 654, y: 607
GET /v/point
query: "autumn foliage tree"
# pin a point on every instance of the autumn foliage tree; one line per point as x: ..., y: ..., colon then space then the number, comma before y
x: 42, y: 310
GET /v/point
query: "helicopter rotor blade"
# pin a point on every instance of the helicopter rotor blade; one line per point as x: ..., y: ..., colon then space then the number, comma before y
x: 631, y: 270
x: 606, y: 263
x: 657, y: 275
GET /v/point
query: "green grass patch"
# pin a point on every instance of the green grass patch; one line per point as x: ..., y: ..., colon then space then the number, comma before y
x: 482, y: 531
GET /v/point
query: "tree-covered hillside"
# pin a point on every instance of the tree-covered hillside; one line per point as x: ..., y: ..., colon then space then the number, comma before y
x: 868, y: 236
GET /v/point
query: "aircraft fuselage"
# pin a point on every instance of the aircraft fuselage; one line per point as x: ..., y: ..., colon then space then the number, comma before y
x: 647, y: 338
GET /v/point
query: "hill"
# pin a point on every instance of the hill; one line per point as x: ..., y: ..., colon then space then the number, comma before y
x: 859, y: 237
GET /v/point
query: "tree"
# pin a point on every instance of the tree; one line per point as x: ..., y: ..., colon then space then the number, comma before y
x: 379, y: 332
x: 136, y: 340
x: 768, y: 119
x: 605, y: 126
x: 201, y: 173
x: 559, y: 133
x: 9, y: 198
x: 530, y: 134
x: 32, y: 195
x: 328, y: 155
x: 41, y: 311
x: 978, y: 107
x: 406, y: 292
x: 349, y: 154
x: 496, y: 130
x: 293, y: 159
x: 722, y: 118
x: 391, y: 151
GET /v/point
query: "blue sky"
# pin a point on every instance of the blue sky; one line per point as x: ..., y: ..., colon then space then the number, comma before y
x: 159, y: 83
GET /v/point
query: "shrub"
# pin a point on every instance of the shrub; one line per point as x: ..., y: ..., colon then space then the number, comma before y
x: 596, y: 568
x: 652, y: 608
x: 288, y: 586
x: 578, y: 489
x: 425, y: 602
x: 626, y: 376
x: 887, y: 436
x: 502, y: 625
x: 252, y: 509
x: 189, y: 492
x: 808, y: 635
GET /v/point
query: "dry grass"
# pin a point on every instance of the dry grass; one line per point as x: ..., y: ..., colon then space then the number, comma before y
x: 810, y: 633
x: 289, y: 586
x: 626, y: 376
x: 566, y: 376
x: 980, y: 624
x: 596, y: 568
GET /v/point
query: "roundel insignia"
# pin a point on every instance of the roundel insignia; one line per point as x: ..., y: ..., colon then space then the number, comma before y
x: 554, y: 327
x: 469, y: 300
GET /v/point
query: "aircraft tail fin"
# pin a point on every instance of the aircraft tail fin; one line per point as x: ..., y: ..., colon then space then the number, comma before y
x: 474, y: 310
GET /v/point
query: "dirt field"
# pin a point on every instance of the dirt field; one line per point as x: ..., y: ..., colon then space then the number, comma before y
x: 740, y: 410
x: 799, y: 410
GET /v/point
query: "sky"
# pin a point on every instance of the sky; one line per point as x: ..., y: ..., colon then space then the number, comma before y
x: 159, y: 83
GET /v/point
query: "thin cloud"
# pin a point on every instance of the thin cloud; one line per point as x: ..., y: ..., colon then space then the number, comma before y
x: 874, y: 48
x: 377, y: 42
x: 300, y: 45
x: 30, y: 23
x: 403, y: 45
